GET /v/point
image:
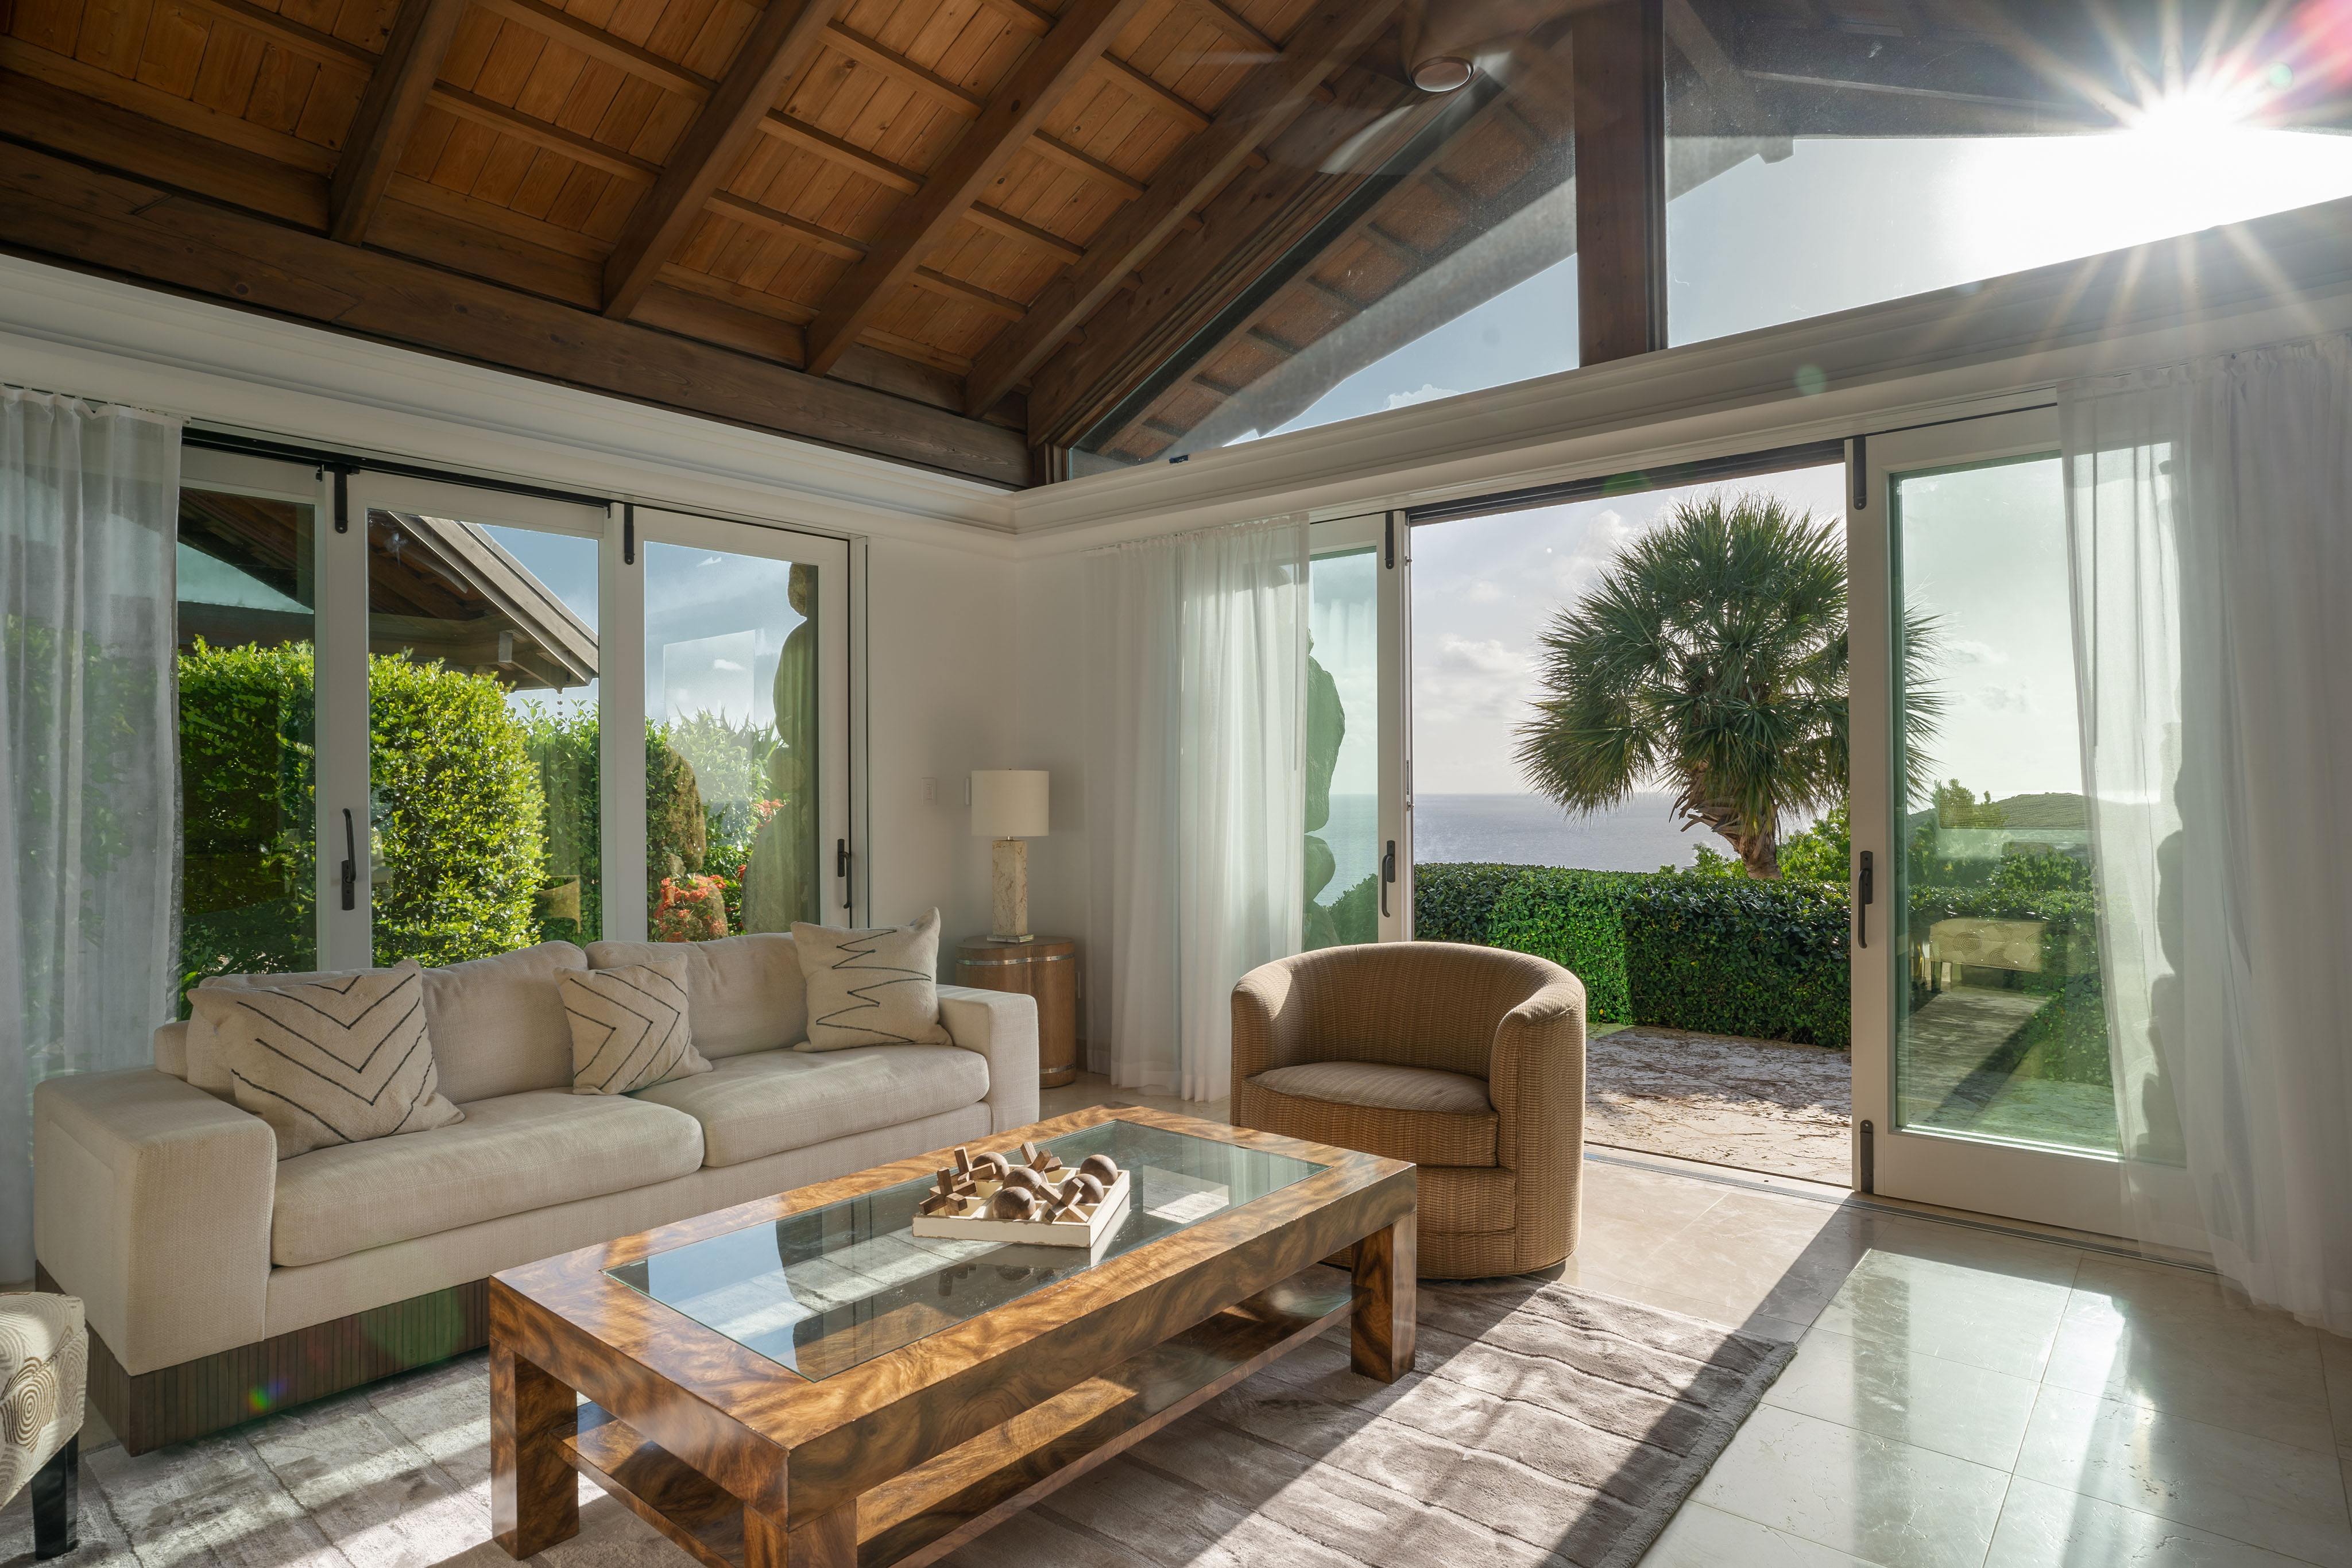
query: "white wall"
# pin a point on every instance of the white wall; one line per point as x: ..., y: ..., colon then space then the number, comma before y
x: 1049, y: 730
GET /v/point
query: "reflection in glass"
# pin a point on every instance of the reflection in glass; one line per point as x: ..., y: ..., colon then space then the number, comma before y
x: 2001, y: 1028
x: 249, y: 899
x: 731, y: 764
x: 1343, y: 789
x: 482, y: 720
x: 824, y: 1290
x: 1827, y: 167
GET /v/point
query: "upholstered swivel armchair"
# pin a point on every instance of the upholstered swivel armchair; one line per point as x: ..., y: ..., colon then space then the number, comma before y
x: 1468, y: 1061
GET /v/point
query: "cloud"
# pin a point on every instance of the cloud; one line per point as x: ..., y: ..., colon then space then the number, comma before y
x: 2006, y: 699
x: 1966, y: 651
x: 1482, y: 592
x: 1456, y: 678
x: 1428, y: 393
x: 725, y: 665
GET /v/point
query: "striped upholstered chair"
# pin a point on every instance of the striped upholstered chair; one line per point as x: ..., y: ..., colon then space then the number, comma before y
x: 1468, y: 1061
x: 45, y: 1353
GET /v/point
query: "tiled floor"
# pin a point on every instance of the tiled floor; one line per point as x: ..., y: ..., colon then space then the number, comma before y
x: 1963, y: 1397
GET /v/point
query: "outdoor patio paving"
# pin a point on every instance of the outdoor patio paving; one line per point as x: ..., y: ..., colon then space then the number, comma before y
x: 1759, y: 1104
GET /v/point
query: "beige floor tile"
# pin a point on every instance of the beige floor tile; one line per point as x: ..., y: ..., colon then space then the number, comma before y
x: 1952, y: 1311
x: 1965, y: 1411
x: 1869, y: 1496
x: 1750, y: 1254
x: 2174, y: 1347
x: 2269, y: 1494
x: 1703, y: 1537
x: 2048, y: 1527
x: 1992, y: 1253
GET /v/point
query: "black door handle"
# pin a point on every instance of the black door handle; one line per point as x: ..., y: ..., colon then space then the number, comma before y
x: 841, y: 868
x: 1862, y: 904
x: 351, y: 864
x: 1388, y: 875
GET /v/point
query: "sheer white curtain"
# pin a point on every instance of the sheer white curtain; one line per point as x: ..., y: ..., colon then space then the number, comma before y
x: 1196, y: 809
x: 89, y: 779
x: 2210, y: 516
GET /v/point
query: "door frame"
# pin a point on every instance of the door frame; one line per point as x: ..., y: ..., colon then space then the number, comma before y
x: 2078, y: 1190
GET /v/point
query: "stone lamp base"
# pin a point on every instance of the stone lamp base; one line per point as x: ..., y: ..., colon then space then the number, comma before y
x: 1009, y: 881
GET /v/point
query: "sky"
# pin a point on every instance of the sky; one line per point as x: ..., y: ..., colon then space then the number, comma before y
x: 1843, y: 223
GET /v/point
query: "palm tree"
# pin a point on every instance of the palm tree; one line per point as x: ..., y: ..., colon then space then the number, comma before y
x: 1712, y: 656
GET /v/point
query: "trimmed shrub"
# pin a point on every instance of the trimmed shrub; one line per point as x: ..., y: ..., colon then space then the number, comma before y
x: 564, y: 749
x: 248, y: 862
x: 1455, y: 903
x: 458, y: 813
x: 1762, y: 959
x: 1578, y: 920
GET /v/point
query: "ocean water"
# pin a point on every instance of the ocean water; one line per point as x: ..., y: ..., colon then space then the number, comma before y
x: 1528, y: 830
x: 1514, y: 829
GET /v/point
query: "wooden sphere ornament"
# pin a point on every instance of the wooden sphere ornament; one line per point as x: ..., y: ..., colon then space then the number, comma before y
x: 1084, y: 1188
x: 1102, y: 1167
x: 991, y: 1166
x: 1027, y: 1180
x: 1013, y: 1203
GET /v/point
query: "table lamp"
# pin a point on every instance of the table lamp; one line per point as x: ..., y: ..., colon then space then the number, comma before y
x: 1009, y: 806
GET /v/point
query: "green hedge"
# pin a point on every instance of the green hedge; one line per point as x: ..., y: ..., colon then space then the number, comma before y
x: 1708, y: 954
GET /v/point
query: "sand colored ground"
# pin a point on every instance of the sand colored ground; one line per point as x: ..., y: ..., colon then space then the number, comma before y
x: 1754, y: 1103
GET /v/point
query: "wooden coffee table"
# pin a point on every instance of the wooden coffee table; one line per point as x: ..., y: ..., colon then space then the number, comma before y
x: 799, y: 1380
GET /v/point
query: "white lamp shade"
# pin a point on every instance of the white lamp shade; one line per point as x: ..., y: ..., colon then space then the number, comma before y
x: 1009, y: 803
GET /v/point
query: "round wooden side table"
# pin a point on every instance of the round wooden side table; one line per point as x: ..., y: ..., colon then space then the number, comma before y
x: 1045, y: 968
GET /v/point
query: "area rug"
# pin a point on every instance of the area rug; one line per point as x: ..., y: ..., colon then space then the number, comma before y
x: 1541, y: 1425
x: 1759, y: 1104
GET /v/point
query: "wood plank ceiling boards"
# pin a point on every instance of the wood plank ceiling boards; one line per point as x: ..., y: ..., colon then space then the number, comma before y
x: 966, y: 234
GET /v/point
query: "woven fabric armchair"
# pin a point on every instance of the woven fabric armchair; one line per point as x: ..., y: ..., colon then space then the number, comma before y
x: 1468, y: 1061
x: 45, y: 1350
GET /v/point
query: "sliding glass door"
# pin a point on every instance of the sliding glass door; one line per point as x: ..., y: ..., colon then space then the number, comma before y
x: 1980, y: 1045
x: 427, y: 720
x: 1357, y: 755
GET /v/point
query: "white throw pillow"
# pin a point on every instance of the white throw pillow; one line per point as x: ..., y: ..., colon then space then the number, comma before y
x: 877, y: 987
x: 339, y: 1062
x: 629, y: 1027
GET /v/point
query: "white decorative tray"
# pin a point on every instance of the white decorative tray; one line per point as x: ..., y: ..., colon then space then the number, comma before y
x: 1082, y: 1227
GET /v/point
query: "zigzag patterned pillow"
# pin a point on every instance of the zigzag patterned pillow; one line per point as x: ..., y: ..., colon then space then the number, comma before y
x: 629, y: 1027
x: 878, y: 987
x: 336, y: 1062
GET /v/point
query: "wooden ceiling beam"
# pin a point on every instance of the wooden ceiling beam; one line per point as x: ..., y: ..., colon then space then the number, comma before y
x: 388, y: 112
x: 939, y: 283
x: 958, y: 100
x: 54, y: 207
x: 1618, y: 65
x: 1053, y: 150
x: 1268, y: 99
x: 729, y: 205
x: 1235, y: 25
x: 1164, y: 98
x: 833, y: 148
x: 920, y: 221
x: 599, y: 45
x: 779, y: 43
x: 998, y: 221
x: 510, y: 121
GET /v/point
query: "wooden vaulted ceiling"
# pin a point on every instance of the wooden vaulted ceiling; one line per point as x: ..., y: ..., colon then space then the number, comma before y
x: 966, y: 234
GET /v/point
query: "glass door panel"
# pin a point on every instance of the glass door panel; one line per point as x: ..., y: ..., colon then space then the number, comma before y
x: 746, y: 728
x: 1343, y: 751
x: 248, y: 575
x: 2001, y: 1030
x: 1981, y: 1051
x: 482, y: 833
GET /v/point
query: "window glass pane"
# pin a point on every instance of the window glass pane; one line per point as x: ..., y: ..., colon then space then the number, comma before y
x: 2000, y: 1029
x: 482, y: 719
x: 1343, y: 763
x: 1815, y: 167
x: 1440, y: 260
x: 248, y: 902
x: 731, y: 765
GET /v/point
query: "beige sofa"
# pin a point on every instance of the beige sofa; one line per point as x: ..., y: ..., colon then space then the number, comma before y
x: 222, y: 1282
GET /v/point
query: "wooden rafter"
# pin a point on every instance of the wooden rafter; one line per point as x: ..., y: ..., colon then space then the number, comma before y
x: 918, y: 224
x: 292, y: 35
x: 599, y: 45
x: 1160, y: 96
x: 510, y: 121
x: 1267, y: 100
x: 395, y: 99
x: 1053, y: 150
x: 779, y: 43
x: 729, y: 205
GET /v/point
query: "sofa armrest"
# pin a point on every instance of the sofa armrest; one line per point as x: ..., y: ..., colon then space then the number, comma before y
x: 1536, y: 1080
x: 152, y: 1202
x: 1270, y: 1009
x: 1002, y: 1027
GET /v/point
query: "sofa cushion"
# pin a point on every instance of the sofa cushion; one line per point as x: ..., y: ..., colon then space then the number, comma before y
x: 497, y: 1023
x: 629, y: 1027
x: 744, y: 993
x: 342, y: 1062
x: 1415, y: 1114
x: 771, y: 1101
x: 511, y: 1153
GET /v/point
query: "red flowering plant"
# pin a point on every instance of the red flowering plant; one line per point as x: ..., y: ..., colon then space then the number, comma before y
x: 732, y: 833
x: 692, y: 909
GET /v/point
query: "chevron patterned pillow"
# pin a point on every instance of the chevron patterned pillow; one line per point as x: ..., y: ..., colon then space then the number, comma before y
x: 336, y: 1062
x: 629, y: 1027
x: 878, y: 987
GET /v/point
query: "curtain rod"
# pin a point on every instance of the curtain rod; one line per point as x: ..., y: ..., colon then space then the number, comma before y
x: 321, y: 457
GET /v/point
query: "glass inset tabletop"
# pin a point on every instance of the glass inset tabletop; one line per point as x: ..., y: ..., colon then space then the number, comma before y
x: 825, y: 1290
